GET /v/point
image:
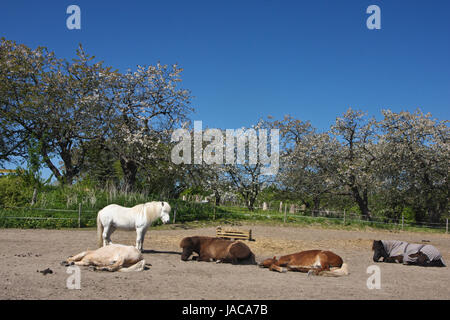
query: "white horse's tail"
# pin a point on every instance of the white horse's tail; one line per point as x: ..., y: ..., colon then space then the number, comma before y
x: 342, y: 271
x: 99, y: 231
x: 139, y: 266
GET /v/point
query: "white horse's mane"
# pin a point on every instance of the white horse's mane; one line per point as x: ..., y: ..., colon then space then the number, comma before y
x: 152, y: 210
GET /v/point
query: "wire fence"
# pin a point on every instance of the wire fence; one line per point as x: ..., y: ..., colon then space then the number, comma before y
x: 189, y: 211
x: 294, y: 211
x: 289, y: 212
x: 65, y: 217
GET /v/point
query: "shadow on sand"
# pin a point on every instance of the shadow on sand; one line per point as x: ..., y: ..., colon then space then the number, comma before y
x: 160, y: 252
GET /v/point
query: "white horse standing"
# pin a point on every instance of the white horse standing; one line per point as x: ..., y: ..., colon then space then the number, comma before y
x: 137, y: 218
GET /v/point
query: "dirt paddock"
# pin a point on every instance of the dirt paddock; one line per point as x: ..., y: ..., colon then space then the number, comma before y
x: 25, y: 252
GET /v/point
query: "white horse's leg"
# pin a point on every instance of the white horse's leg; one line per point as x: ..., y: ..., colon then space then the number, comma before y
x: 110, y: 232
x: 81, y: 259
x: 107, y: 231
x: 138, y: 266
x: 78, y: 257
x: 140, y: 235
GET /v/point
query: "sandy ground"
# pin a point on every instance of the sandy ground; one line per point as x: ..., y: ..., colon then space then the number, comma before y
x: 24, y: 252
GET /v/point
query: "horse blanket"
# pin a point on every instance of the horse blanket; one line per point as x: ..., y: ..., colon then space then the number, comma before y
x: 402, y: 248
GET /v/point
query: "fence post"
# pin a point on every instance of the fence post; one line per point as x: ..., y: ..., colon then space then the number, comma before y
x: 79, y: 215
x: 174, y: 214
x: 214, y: 217
x: 402, y: 220
x: 344, y: 216
x: 285, y: 206
x: 446, y: 226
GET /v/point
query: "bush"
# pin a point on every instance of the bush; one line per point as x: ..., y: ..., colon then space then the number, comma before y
x: 14, y: 191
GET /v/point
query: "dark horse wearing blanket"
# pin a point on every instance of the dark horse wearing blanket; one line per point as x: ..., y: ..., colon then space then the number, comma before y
x: 218, y: 250
x: 317, y: 262
x: 394, y: 251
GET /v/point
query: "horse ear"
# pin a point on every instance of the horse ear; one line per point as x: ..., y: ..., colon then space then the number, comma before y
x: 162, y: 203
x: 376, y: 243
x: 186, y: 242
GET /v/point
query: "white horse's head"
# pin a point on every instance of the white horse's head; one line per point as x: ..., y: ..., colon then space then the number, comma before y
x: 165, y: 211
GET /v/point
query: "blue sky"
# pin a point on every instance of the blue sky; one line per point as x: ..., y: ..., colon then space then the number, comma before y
x: 244, y: 60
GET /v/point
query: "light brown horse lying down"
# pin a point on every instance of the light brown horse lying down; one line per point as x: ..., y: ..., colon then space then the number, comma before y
x: 317, y: 262
x: 216, y: 249
x: 113, y: 257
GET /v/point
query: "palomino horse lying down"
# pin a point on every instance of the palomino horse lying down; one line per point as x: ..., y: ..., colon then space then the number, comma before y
x: 115, y: 257
x: 395, y: 251
x: 215, y: 249
x: 317, y: 262
x: 137, y: 218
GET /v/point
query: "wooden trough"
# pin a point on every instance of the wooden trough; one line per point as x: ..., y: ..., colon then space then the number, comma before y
x: 234, y: 234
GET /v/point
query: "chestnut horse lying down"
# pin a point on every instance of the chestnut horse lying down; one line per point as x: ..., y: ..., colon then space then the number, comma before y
x: 317, y: 262
x: 114, y: 257
x: 216, y: 249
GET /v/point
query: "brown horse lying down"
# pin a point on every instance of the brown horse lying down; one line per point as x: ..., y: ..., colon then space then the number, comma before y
x: 317, y: 262
x: 216, y: 249
x: 113, y: 257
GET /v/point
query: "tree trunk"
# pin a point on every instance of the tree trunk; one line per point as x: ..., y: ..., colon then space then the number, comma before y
x: 50, y: 165
x: 217, y: 197
x: 362, y: 201
x: 251, y: 204
x: 33, y: 199
x: 432, y: 211
x: 70, y: 170
x: 249, y: 200
x: 316, y: 201
x: 129, y: 169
